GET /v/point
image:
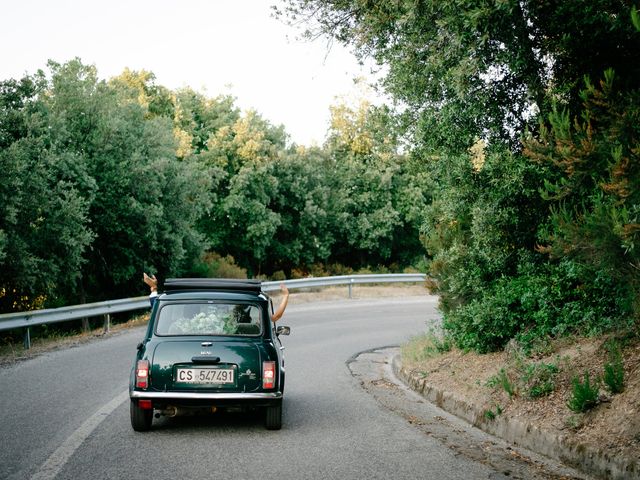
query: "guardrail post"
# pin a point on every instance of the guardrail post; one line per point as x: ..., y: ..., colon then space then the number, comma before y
x: 350, y: 284
x: 107, y: 323
x: 27, y: 338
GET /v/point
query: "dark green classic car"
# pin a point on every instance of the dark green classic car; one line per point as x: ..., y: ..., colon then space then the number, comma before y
x: 210, y: 345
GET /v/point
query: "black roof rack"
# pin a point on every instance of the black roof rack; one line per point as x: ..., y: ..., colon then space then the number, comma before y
x: 228, y: 284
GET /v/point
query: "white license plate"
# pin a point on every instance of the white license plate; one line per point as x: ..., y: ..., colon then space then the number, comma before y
x: 205, y: 375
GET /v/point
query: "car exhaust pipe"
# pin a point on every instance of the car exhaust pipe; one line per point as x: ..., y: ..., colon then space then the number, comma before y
x: 171, y: 411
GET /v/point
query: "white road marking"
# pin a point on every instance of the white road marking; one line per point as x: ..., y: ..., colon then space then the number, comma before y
x: 60, y: 457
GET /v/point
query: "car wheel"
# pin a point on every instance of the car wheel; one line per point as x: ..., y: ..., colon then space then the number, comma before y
x: 140, y: 418
x: 273, y: 417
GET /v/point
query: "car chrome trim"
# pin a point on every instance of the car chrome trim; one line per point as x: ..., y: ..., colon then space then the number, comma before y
x: 204, y: 395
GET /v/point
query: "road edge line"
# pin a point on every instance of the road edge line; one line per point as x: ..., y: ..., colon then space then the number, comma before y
x: 59, y: 458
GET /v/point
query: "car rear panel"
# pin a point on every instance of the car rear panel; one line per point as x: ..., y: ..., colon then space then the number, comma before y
x: 241, y: 360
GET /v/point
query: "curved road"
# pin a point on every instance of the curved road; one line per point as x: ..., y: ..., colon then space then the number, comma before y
x: 65, y: 414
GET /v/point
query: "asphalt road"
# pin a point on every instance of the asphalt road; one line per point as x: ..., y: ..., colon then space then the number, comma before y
x: 65, y: 414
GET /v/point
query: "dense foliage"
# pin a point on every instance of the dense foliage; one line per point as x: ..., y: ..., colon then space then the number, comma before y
x: 102, y: 180
x: 523, y: 120
x: 518, y: 175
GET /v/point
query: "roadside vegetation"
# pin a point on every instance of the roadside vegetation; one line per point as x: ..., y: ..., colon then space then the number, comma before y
x: 506, y: 167
x: 524, y: 120
x: 104, y: 179
x: 565, y: 389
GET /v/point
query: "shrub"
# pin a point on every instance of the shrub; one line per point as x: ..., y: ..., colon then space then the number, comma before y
x: 484, y: 325
x: 584, y: 395
x: 614, y: 377
x: 614, y: 370
x: 278, y: 276
x: 539, y: 379
x: 213, y: 265
x: 543, y: 299
x: 321, y: 270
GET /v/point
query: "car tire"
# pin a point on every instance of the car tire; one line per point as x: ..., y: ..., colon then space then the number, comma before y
x: 141, y: 419
x: 273, y: 417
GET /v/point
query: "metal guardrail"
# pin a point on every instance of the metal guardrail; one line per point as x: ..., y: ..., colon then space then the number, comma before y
x: 345, y: 280
x: 33, y: 318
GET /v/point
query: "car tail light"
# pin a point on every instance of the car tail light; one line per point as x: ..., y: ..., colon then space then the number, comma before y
x: 145, y: 404
x: 268, y: 374
x: 142, y: 374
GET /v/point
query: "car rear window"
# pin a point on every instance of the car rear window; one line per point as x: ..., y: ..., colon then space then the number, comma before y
x: 208, y: 319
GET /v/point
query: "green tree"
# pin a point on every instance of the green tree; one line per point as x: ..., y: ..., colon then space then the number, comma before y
x: 200, y: 118
x: 249, y: 139
x: 466, y: 69
x: 146, y: 201
x: 239, y: 153
x: 44, y: 228
x: 375, y: 220
x: 595, y: 187
x: 304, y: 202
x: 472, y: 78
x: 142, y: 89
x: 252, y: 221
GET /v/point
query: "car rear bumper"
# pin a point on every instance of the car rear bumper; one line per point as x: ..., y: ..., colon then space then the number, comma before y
x: 203, y: 396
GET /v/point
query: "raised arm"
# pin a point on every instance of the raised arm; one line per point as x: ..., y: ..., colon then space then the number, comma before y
x: 153, y: 287
x: 283, y: 304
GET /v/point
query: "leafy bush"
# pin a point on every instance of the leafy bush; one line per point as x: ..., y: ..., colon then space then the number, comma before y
x: 543, y: 299
x: 321, y: 270
x: 584, y: 394
x: 278, y: 275
x: 214, y: 265
x: 614, y: 377
x: 510, y: 263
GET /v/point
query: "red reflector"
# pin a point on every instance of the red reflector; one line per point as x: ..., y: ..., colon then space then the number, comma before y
x: 145, y: 404
x: 268, y: 374
x: 142, y: 374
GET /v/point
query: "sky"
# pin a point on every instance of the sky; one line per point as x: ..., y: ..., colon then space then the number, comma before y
x: 214, y: 46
